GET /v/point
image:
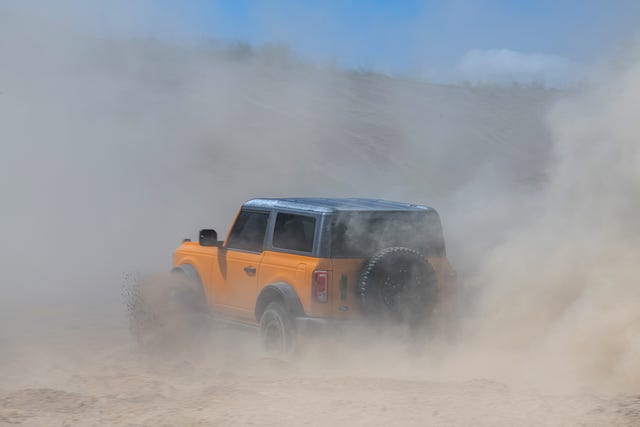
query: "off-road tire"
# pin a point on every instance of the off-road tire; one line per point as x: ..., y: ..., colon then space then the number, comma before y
x: 398, y: 284
x: 167, y: 311
x: 277, y: 330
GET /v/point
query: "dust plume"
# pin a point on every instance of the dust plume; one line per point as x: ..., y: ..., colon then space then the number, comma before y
x: 115, y: 146
x: 560, y: 296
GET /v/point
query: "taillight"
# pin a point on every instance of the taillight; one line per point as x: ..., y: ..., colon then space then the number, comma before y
x: 320, y: 286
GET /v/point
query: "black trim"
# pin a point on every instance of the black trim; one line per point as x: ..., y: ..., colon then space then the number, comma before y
x: 243, y: 251
x: 189, y: 271
x: 279, y: 291
x: 292, y: 252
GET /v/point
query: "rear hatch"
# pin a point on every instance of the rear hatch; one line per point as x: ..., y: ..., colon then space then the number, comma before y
x: 356, y: 236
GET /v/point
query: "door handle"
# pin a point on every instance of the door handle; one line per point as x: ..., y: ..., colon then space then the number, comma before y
x: 251, y: 271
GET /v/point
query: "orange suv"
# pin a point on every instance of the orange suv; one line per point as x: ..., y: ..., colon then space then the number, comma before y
x: 289, y: 264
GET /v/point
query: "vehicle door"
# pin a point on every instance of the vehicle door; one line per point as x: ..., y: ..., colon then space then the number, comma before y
x: 243, y: 252
x: 289, y: 255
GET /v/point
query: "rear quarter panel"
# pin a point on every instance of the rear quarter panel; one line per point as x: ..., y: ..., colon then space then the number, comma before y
x: 297, y: 271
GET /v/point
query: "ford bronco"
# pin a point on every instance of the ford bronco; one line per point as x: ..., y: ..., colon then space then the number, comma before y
x: 290, y: 264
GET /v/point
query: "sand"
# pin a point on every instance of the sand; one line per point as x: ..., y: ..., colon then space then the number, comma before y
x: 89, y: 376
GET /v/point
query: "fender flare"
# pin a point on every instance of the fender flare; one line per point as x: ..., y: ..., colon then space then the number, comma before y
x: 189, y: 271
x: 279, y: 291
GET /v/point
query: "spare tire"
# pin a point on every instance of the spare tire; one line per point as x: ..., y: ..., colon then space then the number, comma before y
x: 398, y: 284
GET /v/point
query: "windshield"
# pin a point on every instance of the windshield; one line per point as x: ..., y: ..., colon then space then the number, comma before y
x: 361, y: 234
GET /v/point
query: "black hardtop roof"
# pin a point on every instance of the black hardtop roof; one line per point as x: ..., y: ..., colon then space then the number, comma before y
x: 329, y: 205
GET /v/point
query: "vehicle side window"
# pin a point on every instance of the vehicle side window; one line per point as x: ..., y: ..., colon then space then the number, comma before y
x: 248, y: 231
x: 294, y: 232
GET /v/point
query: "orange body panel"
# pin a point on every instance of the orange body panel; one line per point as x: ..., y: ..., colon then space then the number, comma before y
x: 233, y: 279
x: 232, y: 292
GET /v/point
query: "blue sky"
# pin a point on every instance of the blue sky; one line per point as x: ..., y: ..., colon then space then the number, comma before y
x: 497, y: 39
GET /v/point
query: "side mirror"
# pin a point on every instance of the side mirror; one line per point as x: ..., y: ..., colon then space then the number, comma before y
x: 209, y: 238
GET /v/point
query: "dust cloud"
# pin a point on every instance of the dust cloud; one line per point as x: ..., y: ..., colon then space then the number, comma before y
x: 561, y: 294
x: 116, y: 146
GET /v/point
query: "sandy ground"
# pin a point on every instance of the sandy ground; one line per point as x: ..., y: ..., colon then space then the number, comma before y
x: 82, y: 376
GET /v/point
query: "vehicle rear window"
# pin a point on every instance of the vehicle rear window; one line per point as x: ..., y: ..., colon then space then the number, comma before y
x: 294, y: 232
x: 361, y: 234
x: 248, y: 231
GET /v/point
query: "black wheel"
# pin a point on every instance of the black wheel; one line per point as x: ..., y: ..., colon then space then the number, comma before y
x: 277, y: 331
x: 167, y: 311
x: 187, y: 295
x: 398, y: 284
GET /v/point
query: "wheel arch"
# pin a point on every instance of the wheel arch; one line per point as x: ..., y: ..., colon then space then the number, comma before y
x: 189, y: 271
x: 279, y: 291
